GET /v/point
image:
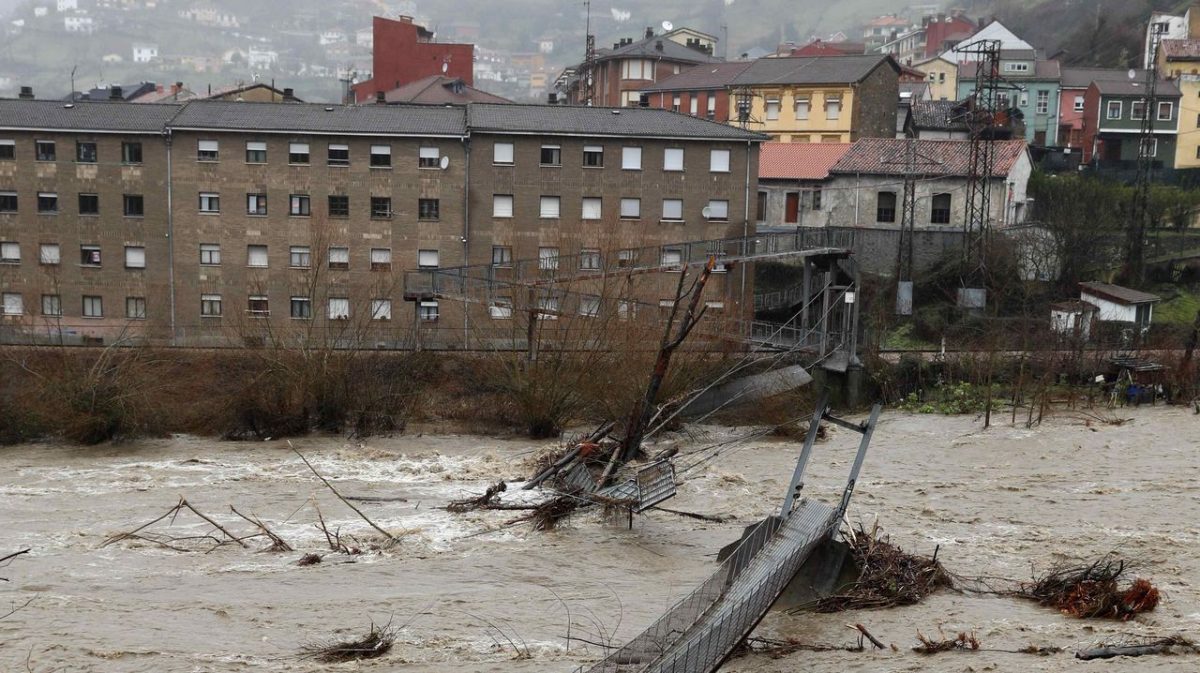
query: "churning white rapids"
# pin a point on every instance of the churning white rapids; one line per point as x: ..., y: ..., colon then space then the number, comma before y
x: 469, y: 594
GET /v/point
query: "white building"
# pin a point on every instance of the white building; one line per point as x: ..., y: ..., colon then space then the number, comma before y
x: 1119, y: 304
x: 331, y: 37
x: 365, y: 38
x: 39, y: 12
x: 68, y: 5
x: 79, y: 23
x: 1167, y: 27
x: 993, y: 31
x: 261, y: 58
x: 145, y: 53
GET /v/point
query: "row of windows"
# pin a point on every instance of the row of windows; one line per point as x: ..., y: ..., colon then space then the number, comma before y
x: 300, y: 205
x: 694, y: 104
x: 92, y: 306
x: 299, y: 307
x: 591, y: 259
x: 592, y: 208
x: 86, y: 152
x: 801, y: 108
x: 48, y: 203
x: 593, y: 157
x: 300, y: 257
x: 300, y: 154
x: 50, y: 254
x: 939, y: 209
x: 1137, y: 110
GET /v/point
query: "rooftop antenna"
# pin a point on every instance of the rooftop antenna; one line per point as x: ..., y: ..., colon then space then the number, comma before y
x: 73, y: 81
x: 589, y: 55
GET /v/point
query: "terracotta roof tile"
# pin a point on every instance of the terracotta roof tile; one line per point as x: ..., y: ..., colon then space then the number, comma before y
x: 885, y: 156
x: 798, y: 161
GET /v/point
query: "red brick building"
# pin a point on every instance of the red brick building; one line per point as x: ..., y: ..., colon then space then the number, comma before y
x: 701, y: 91
x: 619, y: 74
x: 405, y: 52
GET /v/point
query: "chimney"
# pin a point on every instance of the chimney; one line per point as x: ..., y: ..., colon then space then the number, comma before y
x: 941, y: 17
x: 114, y: 93
x: 658, y: 45
x: 26, y: 93
x: 404, y: 19
x: 552, y: 98
x: 289, y: 94
x: 176, y: 88
x: 381, y: 97
x: 649, y: 32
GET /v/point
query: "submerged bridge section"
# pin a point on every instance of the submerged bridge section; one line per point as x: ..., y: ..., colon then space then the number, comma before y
x: 699, y: 633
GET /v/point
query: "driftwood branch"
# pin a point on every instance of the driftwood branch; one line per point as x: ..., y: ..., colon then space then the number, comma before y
x: 277, y: 543
x: 4, y: 561
x: 346, y: 502
x: 1163, y: 646
x: 867, y: 634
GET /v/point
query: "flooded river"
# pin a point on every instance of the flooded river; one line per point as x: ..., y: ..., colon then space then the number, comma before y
x: 469, y: 592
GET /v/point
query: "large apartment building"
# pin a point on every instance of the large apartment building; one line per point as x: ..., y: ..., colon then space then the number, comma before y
x: 200, y: 223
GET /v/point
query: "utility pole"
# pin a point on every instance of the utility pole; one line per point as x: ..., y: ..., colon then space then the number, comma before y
x: 912, y: 161
x: 1139, y: 207
x: 587, y: 77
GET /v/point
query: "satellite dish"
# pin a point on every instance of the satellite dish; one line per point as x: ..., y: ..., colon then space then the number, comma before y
x: 668, y: 26
x: 707, y: 212
x: 1132, y: 74
x: 445, y: 162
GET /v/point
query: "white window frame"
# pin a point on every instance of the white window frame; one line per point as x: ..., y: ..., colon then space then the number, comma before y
x: 299, y: 257
x: 1170, y: 111
x: 802, y: 107
x: 592, y: 208
x: 299, y: 148
x: 428, y: 259
x: 502, y: 206
x: 1133, y: 110
x: 135, y: 308
x: 256, y: 146
x: 12, y: 303
x: 631, y: 208
x: 593, y: 150
x: 833, y: 108
x: 10, y: 252
x: 380, y: 151
x: 381, y: 309
x: 671, y: 259
x: 771, y: 109
x: 299, y: 205
x: 547, y: 258
x: 1120, y: 108
x: 135, y: 257
x: 718, y: 161
x: 631, y: 158
x: 550, y: 207
x: 381, y: 259
x: 693, y: 105
x: 589, y: 259
x: 1079, y: 104
x: 673, y: 159
x: 339, y: 308
x: 429, y: 158
x: 339, y: 255
x: 589, y: 305
x: 428, y: 311
x: 505, y: 257
x: 500, y: 308
x: 210, y: 202
x: 210, y: 301
x: 553, y: 149
x: 718, y: 209
x: 305, y: 313
x: 503, y: 154
x: 214, y: 254
x: 672, y: 210
x: 212, y: 147
x: 257, y: 256
x: 1042, y: 102
x: 50, y: 254
x: 93, y: 306
x: 52, y: 305
x: 256, y: 204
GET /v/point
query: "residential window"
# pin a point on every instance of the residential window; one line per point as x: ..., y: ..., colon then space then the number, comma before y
x: 300, y: 257
x: 500, y: 309
x: 1137, y: 110
x: 673, y: 159
x: 631, y: 158
x: 551, y: 155
x: 428, y: 209
x: 1016, y: 67
x: 1166, y: 111
x: 89, y: 204
x: 672, y: 209
x: 833, y: 108
x: 135, y: 257
x: 10, y: 252
x: 626, y: 258
x: 429, y: 157
x: 631, y: 209
x: 502, y: 154
x: 547, y: 258
x: 501, y: 256
x: 93, y: 306
x: 381, y: 156
x: 1114, y: 110
x: 816, y: 198
x: 1149, y: 147
x: 258, y: 305
x: 298, y: 153
x: 8, y: 202
x: 675, y: 101
x: 44, y: 150
x: 134, y: 205
x: 256, y: 256
x: 299, y: 205
x: 131, y: 153
x: 772, y: 109
x: 940, y: 209
x: 502, y: 205
x: 210, y: 202
x: 300, y: 308
x: 47, y: 202
x: 427, y: 311
x: 85, y: 152
x: 693, y: 104
x: 885, y: 209
x: 135, y: 308
x: 626, y: 309
x: 13, y: 303
x: 637, y: 68
x: 52, y: 305
x: 548, y: 307
x: 49, y: 254
x: 672, y: 258
x: 801, y: 107
x: 593, y: 156
x: 210, y: 254
x: 549, y: 208
x: 712, y: 105
x: 591, y: 208
x: 1078, y: 107
x: 760, y: 208
x: 427, y: 259
x: 381, y: 207
x: 89, y: 255
x: 589, y: 305
x: 381, y: 259
x: 589, y: 259
x: 256, y: 153
x: 210, y: 305
x: 8, y: 150
x: 381, y: 309
x: 339, y: 258
x: 256, y: 204
x: 338, y: 155
x: 718, y: 161
x: 208, y: 150
x: 718, y: 209
x: 339, y: 205
x: 1042, y: 103
x: 339, y: 308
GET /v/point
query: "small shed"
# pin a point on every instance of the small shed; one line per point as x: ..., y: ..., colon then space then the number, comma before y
x: 1072, y: 318
x: 1119, y: 304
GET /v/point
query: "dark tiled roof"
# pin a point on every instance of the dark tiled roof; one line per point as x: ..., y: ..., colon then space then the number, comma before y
x: 811, y: 69
x: 1137, y: 87
x: 650, y: 47
x: 1081, y: 78
x: 1181, y: 50
x: 1119, y: 294
x: 886, y: 156
x: 440, y: 90
x: 943, y: 115
x: 700, y: 77
x: 115, y: 116
x: 799, y: 161
x: 598, y: 121
x: 423, y: 120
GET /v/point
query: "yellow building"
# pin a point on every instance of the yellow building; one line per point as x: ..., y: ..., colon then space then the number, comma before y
x: 942, y: 76
x: 1187, y: 146
x: 833, y: 99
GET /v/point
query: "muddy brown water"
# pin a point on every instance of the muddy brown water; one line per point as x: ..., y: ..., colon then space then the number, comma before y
x: 466, y: 589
